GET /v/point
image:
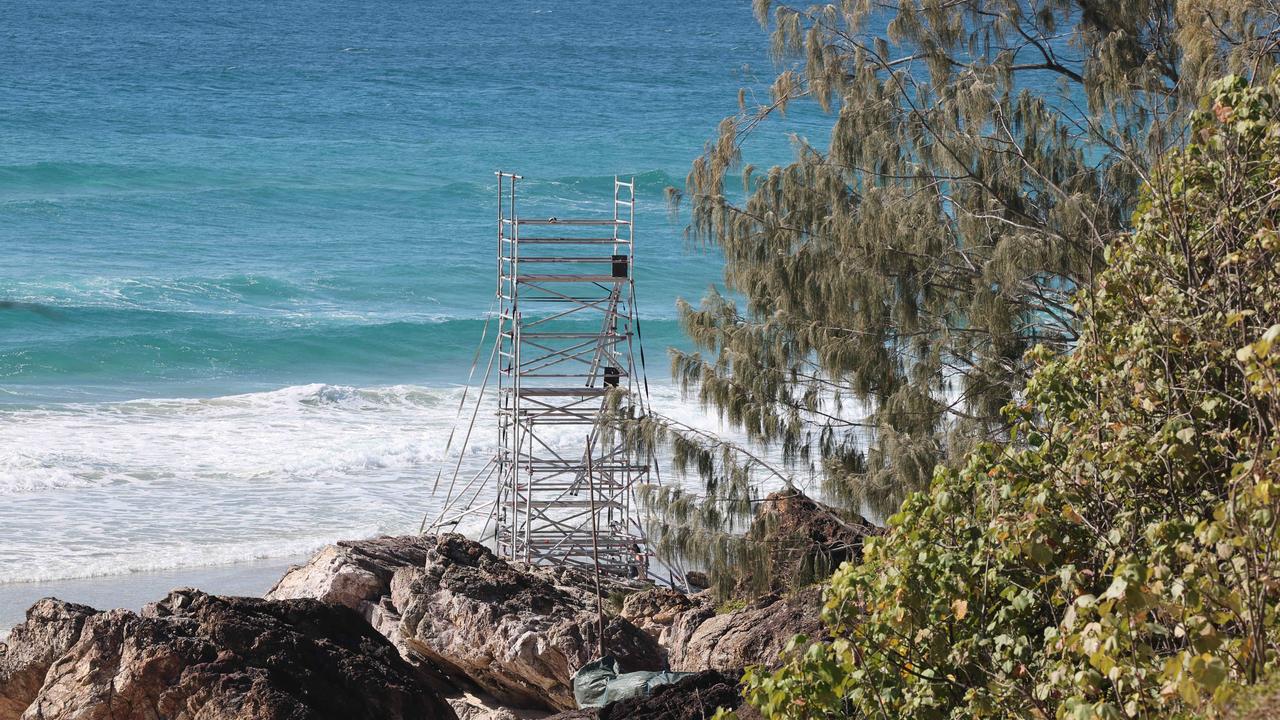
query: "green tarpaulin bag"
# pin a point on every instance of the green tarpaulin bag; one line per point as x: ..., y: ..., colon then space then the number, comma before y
x: 601, y: 682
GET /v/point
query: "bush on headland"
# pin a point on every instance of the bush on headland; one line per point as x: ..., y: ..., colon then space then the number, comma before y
x: 1117, y: 557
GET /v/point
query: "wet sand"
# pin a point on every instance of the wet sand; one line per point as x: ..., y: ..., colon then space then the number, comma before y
x: 135, y: 590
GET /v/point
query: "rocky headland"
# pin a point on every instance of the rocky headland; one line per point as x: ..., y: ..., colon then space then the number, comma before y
x: 395, y: 627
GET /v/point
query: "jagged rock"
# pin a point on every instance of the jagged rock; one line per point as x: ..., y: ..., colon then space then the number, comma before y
x: 655, y: 611
x: 195, y: 656
x: 52, y: 626
x: 352, y: 573
x: 807, y: 539
x: 546, y: 615
x: 700, y: 639
x: 519, y: 633
x: 693, y: 698
x: 360, y: 574
x: 470, y: 706
x: 682, y: 631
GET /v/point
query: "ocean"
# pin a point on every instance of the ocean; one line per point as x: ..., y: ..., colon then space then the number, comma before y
x: 246, y: 251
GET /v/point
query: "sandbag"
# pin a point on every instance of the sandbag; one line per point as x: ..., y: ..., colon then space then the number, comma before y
x: 601, y: 682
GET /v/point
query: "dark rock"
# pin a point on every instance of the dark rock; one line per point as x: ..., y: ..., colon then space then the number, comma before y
x: 694, y: 698
x: 195, y: 656
x: 807, y: 539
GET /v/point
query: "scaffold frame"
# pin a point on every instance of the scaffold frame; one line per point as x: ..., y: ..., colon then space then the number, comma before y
x: 565, y: 350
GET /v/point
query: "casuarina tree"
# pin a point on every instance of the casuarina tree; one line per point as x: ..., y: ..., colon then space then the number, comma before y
x: 884, y: 288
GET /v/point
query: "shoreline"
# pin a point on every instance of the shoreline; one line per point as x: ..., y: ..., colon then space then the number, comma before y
x: 133, y: 590
x: 357, y: 629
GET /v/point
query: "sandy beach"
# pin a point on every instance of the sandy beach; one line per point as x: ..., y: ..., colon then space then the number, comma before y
x: 134, y: 590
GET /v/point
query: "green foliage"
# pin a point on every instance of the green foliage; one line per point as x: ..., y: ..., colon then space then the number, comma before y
x: 1116, y: 557
x: 885, y: 288
x: 983, y: 153
x: 616, y: 599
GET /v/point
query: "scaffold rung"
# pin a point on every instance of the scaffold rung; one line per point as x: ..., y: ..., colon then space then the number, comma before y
x: 568, y: 335
x: 567, y: 259
x: 568, y: 221
x: 570, y: 278
x: 565, y: 241
x: 559, y: 391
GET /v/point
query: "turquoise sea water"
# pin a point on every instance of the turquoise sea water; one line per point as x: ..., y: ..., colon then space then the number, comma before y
x: 250, y: 195
x: 246, y: 249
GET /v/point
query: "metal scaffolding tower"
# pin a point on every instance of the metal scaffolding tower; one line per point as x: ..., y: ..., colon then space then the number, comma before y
x: 565, y: 348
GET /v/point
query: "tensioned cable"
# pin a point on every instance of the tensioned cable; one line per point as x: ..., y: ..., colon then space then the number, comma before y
x: 482, y: 476
x: 644, y: 374
x: 466, y: 441
x: 475, y: 360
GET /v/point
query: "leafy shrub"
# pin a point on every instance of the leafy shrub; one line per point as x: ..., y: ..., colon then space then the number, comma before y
x: 1117, y: 558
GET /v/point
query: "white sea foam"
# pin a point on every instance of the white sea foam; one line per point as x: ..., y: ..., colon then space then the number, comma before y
x: 144, y: 485
x: 308, y: 431
x: 155, y: 556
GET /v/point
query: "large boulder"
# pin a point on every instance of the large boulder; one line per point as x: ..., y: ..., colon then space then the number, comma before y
x: 195, y: 656
x: 352, y: 573
x: 358, y: 574
x: 655, y: 611
x: 499, y: 633
x: 807, y: 540
x: 702, y: 639
x: 518, y: 632
x: 51, y: 628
